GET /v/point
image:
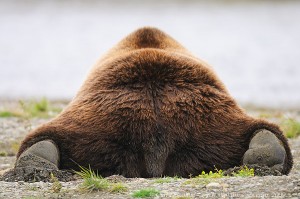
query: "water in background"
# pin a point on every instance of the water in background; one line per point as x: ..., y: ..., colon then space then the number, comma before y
x: 48, y: 47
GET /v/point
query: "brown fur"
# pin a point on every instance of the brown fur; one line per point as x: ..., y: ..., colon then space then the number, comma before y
x: 149, y: 108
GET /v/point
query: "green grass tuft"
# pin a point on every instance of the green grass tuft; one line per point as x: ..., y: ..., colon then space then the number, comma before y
x: 3, y: 154
x: 42, y: 105
x: 118, y: 188
x: 205, y: 178
x: 290, y: 127
x: 163, y: 180
x: 244, y: 172
x: 41, y: 108
x: 56, y: 185
x: 14, y: 146
x: 166, y: 179
x: 95, y: 184
x: 34, y: 108
x: 86, y: 172
x: 145, y: 193
x: 217, y: 174
x: 92, y: 181
x: 8, y: 114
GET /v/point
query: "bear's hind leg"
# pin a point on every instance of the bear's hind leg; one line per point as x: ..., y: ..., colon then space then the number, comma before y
x: 265, y: 149
x: 38, y: 163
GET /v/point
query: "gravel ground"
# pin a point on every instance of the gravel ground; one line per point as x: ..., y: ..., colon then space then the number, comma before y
x: 13, y: 130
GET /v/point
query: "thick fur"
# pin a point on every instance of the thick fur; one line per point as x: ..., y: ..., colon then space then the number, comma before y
x: 150, y: 108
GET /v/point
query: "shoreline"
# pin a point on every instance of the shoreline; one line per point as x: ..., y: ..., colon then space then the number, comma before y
x: 4, y: 101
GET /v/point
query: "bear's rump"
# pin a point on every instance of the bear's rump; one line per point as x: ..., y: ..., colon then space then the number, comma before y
x: 146, y: 107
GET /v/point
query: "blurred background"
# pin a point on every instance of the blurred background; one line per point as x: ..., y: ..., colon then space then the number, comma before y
x: 48, y: 47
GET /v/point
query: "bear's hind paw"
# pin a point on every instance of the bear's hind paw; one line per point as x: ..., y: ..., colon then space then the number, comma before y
x: 38, y: 163
x: 265, y: 149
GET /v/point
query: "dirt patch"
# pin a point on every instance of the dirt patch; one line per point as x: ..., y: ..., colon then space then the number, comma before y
x: 39, y: 170
x: 34, y: 174
x: 258, y: 170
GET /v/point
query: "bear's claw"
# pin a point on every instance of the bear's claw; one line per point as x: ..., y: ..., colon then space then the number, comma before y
x: 265, y: 149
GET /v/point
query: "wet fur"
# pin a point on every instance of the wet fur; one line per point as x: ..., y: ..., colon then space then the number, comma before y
x: 149, y: 108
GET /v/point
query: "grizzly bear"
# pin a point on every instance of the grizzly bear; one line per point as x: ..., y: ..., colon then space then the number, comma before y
x: 150, y: 108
